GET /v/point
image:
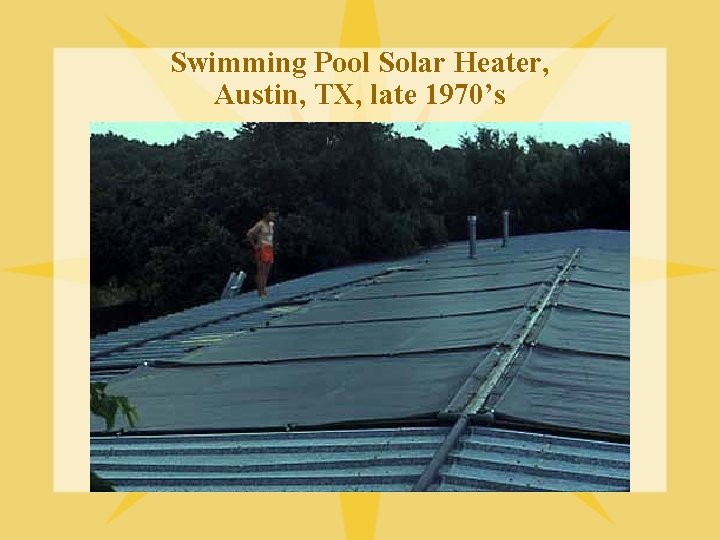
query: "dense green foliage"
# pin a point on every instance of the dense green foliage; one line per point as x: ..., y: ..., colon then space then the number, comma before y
x: 168, y: 222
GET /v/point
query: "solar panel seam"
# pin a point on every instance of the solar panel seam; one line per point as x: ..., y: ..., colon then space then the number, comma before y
x: 477, y: 402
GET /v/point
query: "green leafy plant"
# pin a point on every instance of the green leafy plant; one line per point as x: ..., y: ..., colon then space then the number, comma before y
x: 98, y: 483
x: 106, y: 406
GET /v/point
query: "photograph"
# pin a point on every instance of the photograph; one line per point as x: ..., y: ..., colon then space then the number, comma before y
x: 359, y: 306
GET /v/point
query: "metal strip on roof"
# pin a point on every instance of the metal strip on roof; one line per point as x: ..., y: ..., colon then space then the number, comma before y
x: 358, y: 460
x: 492, y: 459
x: 389, y: 459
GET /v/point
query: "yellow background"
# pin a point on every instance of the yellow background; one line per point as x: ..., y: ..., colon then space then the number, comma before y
x: 29, y: 36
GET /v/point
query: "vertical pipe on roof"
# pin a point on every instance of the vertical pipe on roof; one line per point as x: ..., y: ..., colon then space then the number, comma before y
x: 472, y: 236
x: 506, y: 227
x: 441, y: 454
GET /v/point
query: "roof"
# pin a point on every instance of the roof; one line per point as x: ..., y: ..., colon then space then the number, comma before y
x: 381, y: 459
x: 531, y: 340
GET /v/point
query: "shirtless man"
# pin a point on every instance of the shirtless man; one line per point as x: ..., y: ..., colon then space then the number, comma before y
x: 261, y: 238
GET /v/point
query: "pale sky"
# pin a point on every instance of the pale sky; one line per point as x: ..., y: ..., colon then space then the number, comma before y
x: 437, y: 134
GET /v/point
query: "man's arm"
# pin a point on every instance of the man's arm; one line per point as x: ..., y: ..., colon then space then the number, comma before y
x: 252, y: 234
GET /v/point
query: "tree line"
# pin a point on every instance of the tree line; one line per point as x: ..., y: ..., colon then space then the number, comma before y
x: 168, y: 222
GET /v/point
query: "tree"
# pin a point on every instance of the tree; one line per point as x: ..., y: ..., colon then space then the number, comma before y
x: 168, y: 222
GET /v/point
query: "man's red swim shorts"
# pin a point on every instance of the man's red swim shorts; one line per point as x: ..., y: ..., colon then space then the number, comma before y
x: 264, y: 254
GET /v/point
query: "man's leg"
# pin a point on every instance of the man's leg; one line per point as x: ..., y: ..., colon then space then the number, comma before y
x: 267, y: 274
x: 263, y: 278
x: 258, y: 278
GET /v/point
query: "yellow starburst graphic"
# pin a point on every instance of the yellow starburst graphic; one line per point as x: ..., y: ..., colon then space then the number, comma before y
x: 359, y: 29
x: 128, y: 500
x: 359, y: 512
